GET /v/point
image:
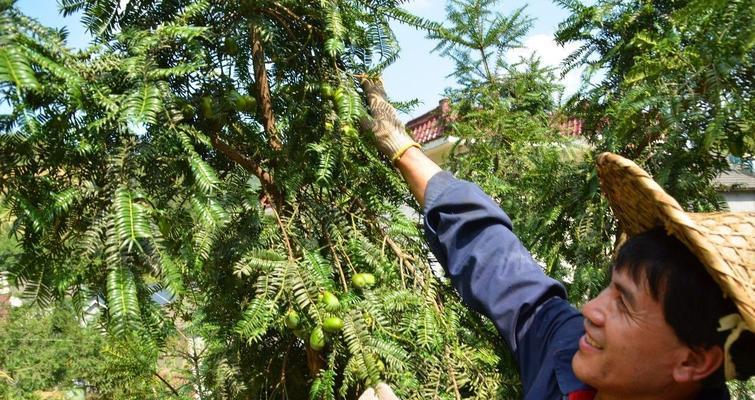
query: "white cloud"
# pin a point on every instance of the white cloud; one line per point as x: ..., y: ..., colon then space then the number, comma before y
x: 550, y: 53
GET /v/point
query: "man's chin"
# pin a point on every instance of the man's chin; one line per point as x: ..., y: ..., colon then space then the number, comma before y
x: 581, y: 367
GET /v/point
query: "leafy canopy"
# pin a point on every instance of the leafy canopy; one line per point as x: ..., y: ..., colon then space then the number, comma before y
x: 209, y: 152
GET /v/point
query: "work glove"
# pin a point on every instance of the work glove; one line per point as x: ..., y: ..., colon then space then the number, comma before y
x: 380, y: 392
x: 390, y: 132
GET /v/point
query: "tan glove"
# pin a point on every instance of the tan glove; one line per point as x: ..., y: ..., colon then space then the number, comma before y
x: 390, y: 132
x: 380, y: 392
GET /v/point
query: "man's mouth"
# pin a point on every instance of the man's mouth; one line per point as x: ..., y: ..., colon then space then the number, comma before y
x: 592, y: 342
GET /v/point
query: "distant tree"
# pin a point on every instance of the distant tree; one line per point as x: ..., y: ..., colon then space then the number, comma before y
x: 476, y: 38
x: 50, y: 351
x: 509, y: 145
x: 672, y: 86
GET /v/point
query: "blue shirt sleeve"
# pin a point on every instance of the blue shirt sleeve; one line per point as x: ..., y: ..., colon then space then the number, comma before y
x: 490, y: 268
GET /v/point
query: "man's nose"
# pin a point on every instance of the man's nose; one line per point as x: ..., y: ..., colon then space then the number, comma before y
x: 594, y: 310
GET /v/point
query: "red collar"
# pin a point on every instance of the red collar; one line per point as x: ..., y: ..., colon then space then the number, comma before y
x: 582, y: 395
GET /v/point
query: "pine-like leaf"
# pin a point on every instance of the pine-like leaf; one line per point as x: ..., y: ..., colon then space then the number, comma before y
x: 204, y: 174
x: 143, y: 104
x: 122, y: 300
x: 15, y: 68
x: 131, y: 219
x: 256, y: 319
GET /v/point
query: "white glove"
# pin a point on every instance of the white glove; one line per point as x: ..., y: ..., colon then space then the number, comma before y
x: 390, y: 132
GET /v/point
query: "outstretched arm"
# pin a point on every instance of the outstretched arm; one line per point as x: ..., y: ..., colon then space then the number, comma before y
x: 474, y: 241
x: 417, y: 169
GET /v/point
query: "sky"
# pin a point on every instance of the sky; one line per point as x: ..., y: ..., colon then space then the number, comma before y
x: 421, y: 74
x: 418, y: 73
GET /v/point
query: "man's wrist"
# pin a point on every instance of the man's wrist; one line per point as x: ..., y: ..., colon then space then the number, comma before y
x: 401, y: 150
x: 417, y: 169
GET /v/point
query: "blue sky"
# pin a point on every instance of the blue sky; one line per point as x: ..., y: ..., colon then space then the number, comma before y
x: 418, y: 73
x: 421, y: 74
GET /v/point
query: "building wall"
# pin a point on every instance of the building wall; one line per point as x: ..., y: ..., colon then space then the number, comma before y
x: 439, y: 149
x: 740, y: 201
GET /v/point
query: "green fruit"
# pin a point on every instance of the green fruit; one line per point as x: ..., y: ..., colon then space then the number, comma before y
x: 369, y: 278
x: 242, y: 103
x: 205, y: 104
x: 326, y: 90
x: 332, y: 324
x: 330, y: 301
x: 187, y: 112
x: 317, y: 339
x: 363, y: 280
x: 292, y: 319
x: 359, y: 280
x: 245, y: 103
x: 231, y: 48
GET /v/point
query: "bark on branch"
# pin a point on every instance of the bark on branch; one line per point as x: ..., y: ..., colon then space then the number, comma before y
x: 247, y: 163
x: 264, y: 103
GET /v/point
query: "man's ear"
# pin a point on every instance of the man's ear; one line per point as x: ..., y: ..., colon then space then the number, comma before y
x: 698, y: 363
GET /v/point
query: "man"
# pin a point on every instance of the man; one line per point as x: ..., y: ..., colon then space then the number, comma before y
x: 678, y: 315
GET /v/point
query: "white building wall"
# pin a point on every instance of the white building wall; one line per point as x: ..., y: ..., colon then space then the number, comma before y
x: 740, y: 201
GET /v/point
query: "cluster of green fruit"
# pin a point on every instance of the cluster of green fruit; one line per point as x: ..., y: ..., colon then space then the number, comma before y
x: 213, y: 108
x: 328, y: 92
x: 331, y: 324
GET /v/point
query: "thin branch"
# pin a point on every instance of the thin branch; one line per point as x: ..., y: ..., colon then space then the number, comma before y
x: 286, y: 240
x: 336, y: 262
x: 452, y: 374
x: 293, y: 16
x: 172, y: 389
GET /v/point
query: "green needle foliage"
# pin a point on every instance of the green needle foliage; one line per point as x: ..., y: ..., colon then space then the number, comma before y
x: 48, y: 354
x: 209, y: 152
x: 676, y: 93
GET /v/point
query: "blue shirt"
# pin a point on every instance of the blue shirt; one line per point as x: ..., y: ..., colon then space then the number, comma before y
x: 495, y: 275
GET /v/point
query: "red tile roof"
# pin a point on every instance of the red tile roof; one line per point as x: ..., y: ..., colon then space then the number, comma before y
x: 432, y: 124
x: 572, y: 127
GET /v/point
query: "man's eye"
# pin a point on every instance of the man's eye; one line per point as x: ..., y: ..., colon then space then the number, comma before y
x: 622, y: 305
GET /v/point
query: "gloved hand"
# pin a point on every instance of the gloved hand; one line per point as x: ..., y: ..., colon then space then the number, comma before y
x: 380, y: 392
x: 390, y: 132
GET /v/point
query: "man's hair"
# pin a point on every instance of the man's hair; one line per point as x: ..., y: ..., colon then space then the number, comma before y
x: 692, y: 302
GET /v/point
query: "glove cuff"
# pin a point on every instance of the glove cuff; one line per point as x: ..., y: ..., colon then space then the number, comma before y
x: 401, y: 150
x: 394, y: 145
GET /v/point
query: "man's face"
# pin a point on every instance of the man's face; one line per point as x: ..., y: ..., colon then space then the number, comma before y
x: 628, y: 346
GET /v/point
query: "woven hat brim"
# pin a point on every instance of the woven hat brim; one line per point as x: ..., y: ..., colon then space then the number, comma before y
x: 723, y: 242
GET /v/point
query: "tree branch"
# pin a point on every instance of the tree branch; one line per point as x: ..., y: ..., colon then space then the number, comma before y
x: 265, y: 105
x: 247, y: 163
x: 315, y: 361
x: 172, y: 389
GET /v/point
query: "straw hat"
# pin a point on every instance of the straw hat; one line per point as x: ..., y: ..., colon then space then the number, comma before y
x: 724, y: 241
